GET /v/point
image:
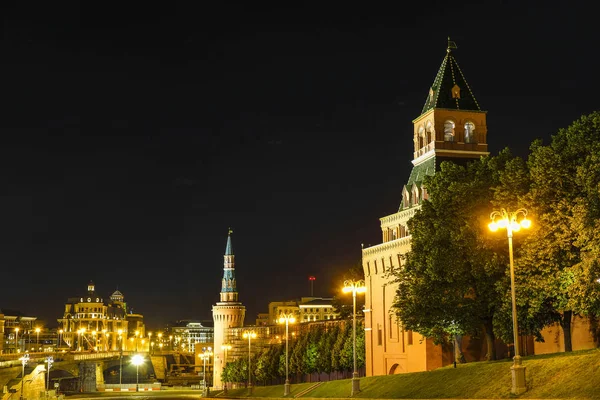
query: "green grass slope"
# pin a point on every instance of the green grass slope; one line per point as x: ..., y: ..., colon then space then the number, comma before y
x: 555, y: 376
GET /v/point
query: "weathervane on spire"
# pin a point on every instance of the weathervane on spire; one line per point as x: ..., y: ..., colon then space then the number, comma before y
x: 451, y: 45
x: 230, y: 231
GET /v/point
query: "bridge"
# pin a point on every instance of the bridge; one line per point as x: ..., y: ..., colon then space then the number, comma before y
x: 89, y: 372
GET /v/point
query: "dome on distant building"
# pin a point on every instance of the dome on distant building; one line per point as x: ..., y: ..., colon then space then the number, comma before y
x: 117, y: 296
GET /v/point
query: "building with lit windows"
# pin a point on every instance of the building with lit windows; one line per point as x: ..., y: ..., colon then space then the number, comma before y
x: 91, y: 323
x: 451, y: 126
x: 307, y: 309
x: 16, y: 331
x: 189, y: 334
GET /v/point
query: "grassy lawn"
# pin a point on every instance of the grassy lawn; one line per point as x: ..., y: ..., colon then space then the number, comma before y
x: 575, y: 375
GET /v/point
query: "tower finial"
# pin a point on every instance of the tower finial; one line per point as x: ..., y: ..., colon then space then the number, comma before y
x: 230, y: 231
x: 451, y: 45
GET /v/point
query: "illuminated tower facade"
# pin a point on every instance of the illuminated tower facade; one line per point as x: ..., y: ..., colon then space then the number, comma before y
x: 451, y: 127
x: 227, y: 313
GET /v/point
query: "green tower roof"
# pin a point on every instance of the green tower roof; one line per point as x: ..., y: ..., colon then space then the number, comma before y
x: 450, y: 88
x: 229, y: 247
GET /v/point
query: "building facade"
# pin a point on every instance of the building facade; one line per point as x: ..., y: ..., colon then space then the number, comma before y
x: 16, y: 331
x: 90, y: 323
x: 307, y: 309
x: 453, y: 127
x: 229, y: 312
x: 190, y: 334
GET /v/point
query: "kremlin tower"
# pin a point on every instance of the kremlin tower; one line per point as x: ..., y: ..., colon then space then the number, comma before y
x: 228, y: 312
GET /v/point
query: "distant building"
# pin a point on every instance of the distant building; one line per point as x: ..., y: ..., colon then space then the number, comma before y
x: 262, y: 319
x: 16, y: 330
x: 307, y: 309
x: 90, y: 323
x: 189, y: 333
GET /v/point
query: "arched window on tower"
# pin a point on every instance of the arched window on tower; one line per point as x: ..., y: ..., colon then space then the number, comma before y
x: 430, y: 132
x: 422, y: 141
x: 449, y: 131
x: 469, y: 132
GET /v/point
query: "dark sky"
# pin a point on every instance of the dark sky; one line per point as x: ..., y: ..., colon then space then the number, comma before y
x: 133, y: 137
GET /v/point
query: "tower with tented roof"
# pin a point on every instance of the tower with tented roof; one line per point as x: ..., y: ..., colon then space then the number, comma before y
x: 450, y: 127
x: 229, y: 312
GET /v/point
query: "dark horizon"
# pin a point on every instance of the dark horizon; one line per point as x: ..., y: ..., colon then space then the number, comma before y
x: 133, y: 138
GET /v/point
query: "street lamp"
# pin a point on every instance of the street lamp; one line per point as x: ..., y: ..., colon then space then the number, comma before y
x: 37, y: 340
x: 120, y: 332
x: 50, y: 361
x: 205, y: 355
x: 287, y: 319
x: 225, y: 348
x: 249, y: 335
x: 60, y: 332
x: 354, y: 287
x: 150, y: 342
x: 17, y: 347
x: 508, y: 220
x: 137, y: 360
x: 105, y: 340
x: 24, y: 361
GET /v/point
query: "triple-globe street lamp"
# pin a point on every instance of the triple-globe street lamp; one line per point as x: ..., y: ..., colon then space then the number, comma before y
x: 249, y: 335
x: 508, y: 220
x: 50, y: 361
x: 205, y: 355
x: 354, y: 287
x: 24, y: 360
x: 286, y: 319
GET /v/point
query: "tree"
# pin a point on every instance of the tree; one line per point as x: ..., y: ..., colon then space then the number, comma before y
x: 448, y: 284
x: 559, y: 263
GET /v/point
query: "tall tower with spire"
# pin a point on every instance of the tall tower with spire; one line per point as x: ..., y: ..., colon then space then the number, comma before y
x: 228, y: 312
x: 451, y: 127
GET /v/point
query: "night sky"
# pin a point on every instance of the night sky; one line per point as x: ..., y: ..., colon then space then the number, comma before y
x: 134, y: 137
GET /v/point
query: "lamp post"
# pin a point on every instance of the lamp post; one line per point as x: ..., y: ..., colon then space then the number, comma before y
x: 249, y: 335
x: 150, y: 344
x: 205, y: 355
x: 37, y: 340
x: 508, y: 220
x: 17, y: 347
x: 24, y: 361
x: 354, y: 287
x: 105, y: 340
x: 137, y: 360
x: 60, y: 332
x: 120, y: 332
x: 225, y: 348
x: 287, y: 320
x: 50, y: 361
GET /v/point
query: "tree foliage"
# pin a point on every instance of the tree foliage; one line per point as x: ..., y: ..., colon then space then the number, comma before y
x: 320, y: 348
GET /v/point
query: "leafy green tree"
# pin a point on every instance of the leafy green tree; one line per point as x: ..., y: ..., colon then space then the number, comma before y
x: 558, y: 265
x: 449, y: 282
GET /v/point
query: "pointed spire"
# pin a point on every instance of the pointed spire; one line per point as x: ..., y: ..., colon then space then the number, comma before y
x: 450, y: 89
x: 228, y: 284
x: 229, y: 247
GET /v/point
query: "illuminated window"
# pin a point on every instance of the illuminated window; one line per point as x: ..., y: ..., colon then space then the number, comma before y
x: 422, y: 141
x: 469, y: 132
x: 449, y: 131
x: 430, y: 132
